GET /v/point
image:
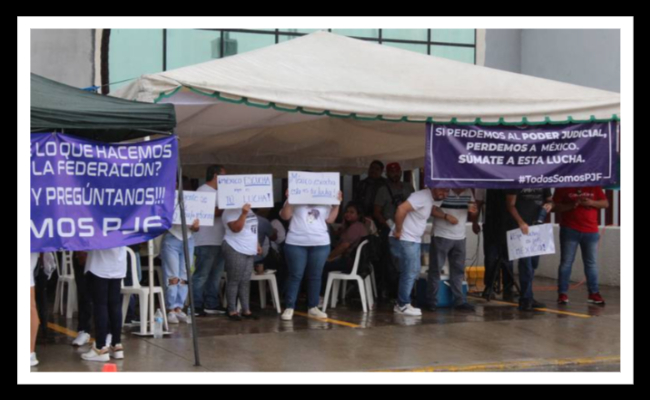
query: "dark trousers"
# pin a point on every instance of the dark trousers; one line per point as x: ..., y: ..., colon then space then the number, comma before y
x: 497, y: 261
x: 84, y: 299
x: 107, y: 308
x: 387, y: 273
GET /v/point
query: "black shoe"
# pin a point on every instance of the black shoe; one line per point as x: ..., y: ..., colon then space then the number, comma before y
x: 234, y: 317
x: 431, y: 308
x: 199, y: 312
x: 250, y: 316
x: 488, y: 296
x: 526, y: 306
x: 465, y: 307
x: 509, y: 297
x: 537, y: 304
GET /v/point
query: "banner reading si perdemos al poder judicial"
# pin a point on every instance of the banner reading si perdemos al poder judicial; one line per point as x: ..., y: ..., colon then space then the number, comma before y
x: 88, y: 195
x: 237, y: 190
x: 314, y: 188
x: 509, y: 157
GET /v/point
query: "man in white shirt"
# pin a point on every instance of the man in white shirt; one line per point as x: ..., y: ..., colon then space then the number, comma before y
x: 209, y: 258
x: 448, y: 241
x: 405, y: 239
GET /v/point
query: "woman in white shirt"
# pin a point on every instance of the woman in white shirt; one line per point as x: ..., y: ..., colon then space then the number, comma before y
x: 105, y: 270
x: 306, y: 249
x: 240, y: 246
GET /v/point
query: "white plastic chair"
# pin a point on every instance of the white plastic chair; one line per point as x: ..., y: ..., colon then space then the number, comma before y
x: 143, y: 295
x: 262, y: 279
x: 268, y: 276
x: 65, y: 271
x: 334, y: 280
x: 374, y: 284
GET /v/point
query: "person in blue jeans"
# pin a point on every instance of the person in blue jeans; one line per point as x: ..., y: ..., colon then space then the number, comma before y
x: 579, y: 209
x: 525, y: 206
x: 209, y: 264
x: 405, y: 240
x: 306, y: 250
x: 175, y: 271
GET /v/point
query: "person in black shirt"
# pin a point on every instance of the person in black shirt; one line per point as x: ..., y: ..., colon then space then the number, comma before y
x: 524, y: 207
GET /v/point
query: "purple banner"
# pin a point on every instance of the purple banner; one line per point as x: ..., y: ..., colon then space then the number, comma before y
x: 88, y: 195
x: 575, y: 155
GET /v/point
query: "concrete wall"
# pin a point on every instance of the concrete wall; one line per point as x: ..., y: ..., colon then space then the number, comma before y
x: 609, y: 257
x: 63, y: 55
x: 503, y: 49
x: 586, y: 57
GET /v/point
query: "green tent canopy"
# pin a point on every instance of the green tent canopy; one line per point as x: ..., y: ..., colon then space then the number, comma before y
x: 55, y: 106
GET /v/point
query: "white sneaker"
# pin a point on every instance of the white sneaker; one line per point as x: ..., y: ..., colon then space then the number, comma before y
x: 182, y: 317
x: 407, y: 310
x: 315, y: 312
x: 33, y: 361
x: 287, y: 315
x: 172, y: 318
x: 81, y: 339
x: 116, y: 352
x: 96, y: 355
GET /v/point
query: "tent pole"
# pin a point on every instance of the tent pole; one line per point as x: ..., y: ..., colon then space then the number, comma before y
x: 155, y: 132
x: 152, y: 297
x: 186, y: 252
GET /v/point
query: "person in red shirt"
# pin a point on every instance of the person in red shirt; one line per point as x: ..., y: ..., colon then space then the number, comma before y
x: 579, y: 208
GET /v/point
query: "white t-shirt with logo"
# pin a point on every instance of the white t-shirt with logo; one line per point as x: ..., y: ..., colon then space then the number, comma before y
x: 455, y: 205
x: 210, y: 235
x: 244, y: 241
x: 308, y: 226
x: 415, y: 222
x: 108, y: 263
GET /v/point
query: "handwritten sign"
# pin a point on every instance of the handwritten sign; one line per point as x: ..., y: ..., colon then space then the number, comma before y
x: 539, y: 241
x: 314, y: 187
x: 198, y: 205
x: 237, y: 190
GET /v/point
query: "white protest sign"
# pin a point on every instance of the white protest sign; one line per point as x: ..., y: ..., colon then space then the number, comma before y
x: 539, y: 241
x: 237, y: 190
x: 198, y: 205
x: 314, y: 188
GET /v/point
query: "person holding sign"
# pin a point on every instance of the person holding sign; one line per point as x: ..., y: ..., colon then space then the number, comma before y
x: 579, y: 208
x: 306, y: 250
x: 208, y: 251
x: 526, y: 207
x: 240, y: 246
x: 405, y: 239
x: 175, y: 270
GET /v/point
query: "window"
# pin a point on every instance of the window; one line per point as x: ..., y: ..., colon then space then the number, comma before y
x: 134, y: 52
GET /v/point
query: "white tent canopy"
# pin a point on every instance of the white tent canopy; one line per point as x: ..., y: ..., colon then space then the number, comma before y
x: 328, y: 102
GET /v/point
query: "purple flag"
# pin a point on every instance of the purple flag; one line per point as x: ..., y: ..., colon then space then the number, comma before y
x: 88, y: 195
